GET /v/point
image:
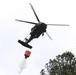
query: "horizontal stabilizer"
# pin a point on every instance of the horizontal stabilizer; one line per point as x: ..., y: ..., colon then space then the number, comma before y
x: 25, y: 44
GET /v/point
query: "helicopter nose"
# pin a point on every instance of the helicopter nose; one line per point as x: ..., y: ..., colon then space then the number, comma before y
x: 44, y: 25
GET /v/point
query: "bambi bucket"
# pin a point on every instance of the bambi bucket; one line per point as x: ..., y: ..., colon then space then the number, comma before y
x: 27, y: 53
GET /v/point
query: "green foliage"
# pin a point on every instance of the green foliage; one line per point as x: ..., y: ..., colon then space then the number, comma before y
x: 64, y: 64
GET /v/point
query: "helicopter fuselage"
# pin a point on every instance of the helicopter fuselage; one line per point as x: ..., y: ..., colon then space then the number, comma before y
x: 38, y: 29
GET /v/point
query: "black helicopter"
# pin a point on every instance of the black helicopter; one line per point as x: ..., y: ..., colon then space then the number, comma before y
x: 37, y: 30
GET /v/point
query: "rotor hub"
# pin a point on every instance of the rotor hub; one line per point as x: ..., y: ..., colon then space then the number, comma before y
x: 43, y: 25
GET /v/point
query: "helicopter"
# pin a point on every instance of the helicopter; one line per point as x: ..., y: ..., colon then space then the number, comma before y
x: 37, y: 30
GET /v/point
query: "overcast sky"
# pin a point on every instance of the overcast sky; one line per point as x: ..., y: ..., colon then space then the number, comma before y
x: 48, y: 11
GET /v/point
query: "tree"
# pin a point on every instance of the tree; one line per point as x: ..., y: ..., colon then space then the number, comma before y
x: 64, y: 64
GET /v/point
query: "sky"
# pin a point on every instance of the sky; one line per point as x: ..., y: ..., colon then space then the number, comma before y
x: 48, y: 11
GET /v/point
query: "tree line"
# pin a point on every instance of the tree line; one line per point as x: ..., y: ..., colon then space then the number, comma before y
x: 64, y: 64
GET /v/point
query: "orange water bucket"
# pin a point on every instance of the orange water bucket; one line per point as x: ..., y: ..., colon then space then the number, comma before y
x: 27, y: 53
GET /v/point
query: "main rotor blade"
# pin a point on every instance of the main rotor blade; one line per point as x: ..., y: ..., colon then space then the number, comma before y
x: 34, y: 12
x: 25, y: 21
x: 49, y: 36
x: 59, y: 24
